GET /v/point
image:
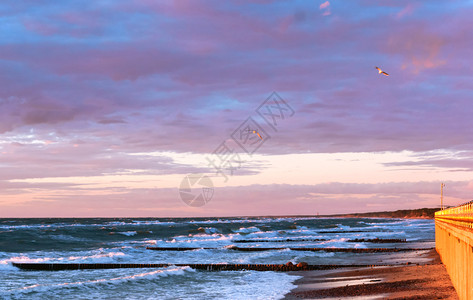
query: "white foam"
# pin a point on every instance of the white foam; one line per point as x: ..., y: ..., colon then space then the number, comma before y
x: 139, y: 223
x: 96, y: 257
x: 199, y: 240
x: 24, y: 259
x: 139, y: 276
x: 111, y: 223
x: 257, y: 256
x: 265, y: 234
x: 247, y: 229
x: 230, y: 221
x: 259, y: 285
x: 99, y: 256
x: 154, y: 242
x: 64, y: 237
x: 336, y: 243
x: 128, y: 233
x: 208, y: 230
x: 259, y: 220
x: 306, y: 231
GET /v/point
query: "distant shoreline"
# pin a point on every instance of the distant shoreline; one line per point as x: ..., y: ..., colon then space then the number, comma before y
x: 421, y: 213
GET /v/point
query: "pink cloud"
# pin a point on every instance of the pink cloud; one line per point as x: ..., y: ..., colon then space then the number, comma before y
x: 253, y: 200
x: 324, y: 5
x: 422, y: 49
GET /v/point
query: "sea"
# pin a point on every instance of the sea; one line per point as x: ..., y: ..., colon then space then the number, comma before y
x: 125, y: 240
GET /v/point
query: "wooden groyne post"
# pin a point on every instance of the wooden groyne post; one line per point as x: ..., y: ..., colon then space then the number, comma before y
x: 454, y: 243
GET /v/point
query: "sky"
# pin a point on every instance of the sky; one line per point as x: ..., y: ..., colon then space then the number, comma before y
x: 107, y: 106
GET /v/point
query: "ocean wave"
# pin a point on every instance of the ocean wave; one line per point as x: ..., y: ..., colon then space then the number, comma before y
x: 229, y: 221
x: 308, y: 232
x: 169, y: 271
x: 254, y: 285
x: 153, y: 242
x: 208, y: 230
x: 25, y: 259
x: 265, y: 234
x: 65, y: 237
x: 128, y: 233
x: 336, y: 243
x: 95, y: 257
x: 47, y: 226
x: 252, y: 229
x: 246, y: 233
x: 7, y: 266
x: 100, y: 256
x: 138, y: 223
x: 64, y: 225
x: 258, y: 220
x: 202, y: 237
x: 258, y: 256
x: 395, y: 222
x: 308, y: 256
x: 200, y: 240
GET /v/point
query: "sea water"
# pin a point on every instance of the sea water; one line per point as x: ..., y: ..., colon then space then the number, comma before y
x: 124, y: 240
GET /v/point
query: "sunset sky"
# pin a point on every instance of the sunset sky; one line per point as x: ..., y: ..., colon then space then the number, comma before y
x: 105, y: 106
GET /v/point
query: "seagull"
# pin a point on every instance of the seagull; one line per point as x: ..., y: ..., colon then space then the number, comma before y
x: 256, y: 132
x: 381, y: 71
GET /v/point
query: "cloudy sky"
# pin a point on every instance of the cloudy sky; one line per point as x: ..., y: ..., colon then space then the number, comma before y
x: 106, y: 106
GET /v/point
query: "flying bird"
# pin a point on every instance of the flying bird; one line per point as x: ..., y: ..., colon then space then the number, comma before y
x: 381, y: 71
x: 256, y: 132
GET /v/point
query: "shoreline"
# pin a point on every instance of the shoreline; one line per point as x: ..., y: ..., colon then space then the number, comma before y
x: 408, y: 281
x: 420, y: 213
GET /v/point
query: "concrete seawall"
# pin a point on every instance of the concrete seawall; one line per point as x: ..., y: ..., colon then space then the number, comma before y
x: 454, y: 243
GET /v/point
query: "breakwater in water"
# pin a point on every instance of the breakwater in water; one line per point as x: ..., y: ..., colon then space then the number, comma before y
x: 257, y: 249
x: 206, y: 267
x: 454, y: 243
x: 302, y: 266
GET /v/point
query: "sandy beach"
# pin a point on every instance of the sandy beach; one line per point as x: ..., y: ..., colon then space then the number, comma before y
x: 418, y: 281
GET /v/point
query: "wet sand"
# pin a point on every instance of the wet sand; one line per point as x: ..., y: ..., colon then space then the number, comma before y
x: 418, y: 281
